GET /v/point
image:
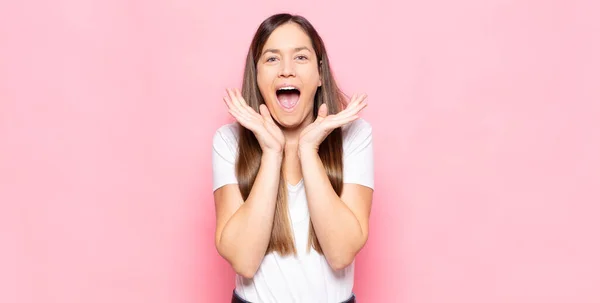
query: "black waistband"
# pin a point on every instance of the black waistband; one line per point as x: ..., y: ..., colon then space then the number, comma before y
x: 236, y: 299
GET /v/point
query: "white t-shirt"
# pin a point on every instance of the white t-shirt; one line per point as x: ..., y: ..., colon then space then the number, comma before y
x: 306, y: 277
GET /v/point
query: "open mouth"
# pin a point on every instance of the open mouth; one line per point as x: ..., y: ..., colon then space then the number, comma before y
x: 288, y: 97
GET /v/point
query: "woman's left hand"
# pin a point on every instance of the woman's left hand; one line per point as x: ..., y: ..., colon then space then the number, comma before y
x: 313, y: 135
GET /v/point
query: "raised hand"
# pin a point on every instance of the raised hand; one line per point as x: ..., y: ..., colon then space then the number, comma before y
x: 269, y: 135
x: 314, y: 134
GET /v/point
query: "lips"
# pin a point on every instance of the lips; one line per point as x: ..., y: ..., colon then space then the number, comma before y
x: 288, y: 96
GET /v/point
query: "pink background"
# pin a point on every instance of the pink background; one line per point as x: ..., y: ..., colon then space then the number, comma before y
x: 487, y: 136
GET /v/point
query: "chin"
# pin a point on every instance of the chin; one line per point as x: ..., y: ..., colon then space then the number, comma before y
x: 289, y: 123
x: 289, y: 120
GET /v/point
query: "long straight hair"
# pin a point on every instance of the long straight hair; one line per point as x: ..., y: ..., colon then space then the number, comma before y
x: 249, y: 151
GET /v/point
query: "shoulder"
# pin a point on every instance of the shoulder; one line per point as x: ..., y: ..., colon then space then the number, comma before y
x: 226, y: 136
x: 229, y: 130
x: 355, y: 127
x: 356, y: 132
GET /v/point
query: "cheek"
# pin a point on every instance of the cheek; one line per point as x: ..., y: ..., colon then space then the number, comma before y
x: 264, y: 79
x: 311, y: 76
x: 311, y: 84
x: 260, y: 78
x: 263, y: 84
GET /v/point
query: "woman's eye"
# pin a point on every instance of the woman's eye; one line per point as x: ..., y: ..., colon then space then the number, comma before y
x: 302, y: 57
x: 271, y: 59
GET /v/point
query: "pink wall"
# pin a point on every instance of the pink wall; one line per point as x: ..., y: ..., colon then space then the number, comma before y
x: 487, y: 140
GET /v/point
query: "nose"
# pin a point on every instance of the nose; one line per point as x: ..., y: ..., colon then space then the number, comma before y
x: 287, y: 69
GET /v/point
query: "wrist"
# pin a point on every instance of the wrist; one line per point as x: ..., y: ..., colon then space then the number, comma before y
x: 307, y: 151
x: 272, y: 156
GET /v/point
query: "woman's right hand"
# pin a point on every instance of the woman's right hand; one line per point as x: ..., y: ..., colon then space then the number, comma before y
x: 269, y: 135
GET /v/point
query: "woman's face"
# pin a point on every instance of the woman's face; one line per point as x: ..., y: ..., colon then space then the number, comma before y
x: 288, y: 76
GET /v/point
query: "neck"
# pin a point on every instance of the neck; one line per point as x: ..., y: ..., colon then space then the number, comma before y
x: 292, y: 135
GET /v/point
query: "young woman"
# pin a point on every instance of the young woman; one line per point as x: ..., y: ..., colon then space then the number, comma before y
x: 293, y: 176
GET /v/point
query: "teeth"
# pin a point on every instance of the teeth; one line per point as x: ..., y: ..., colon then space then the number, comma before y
x: 287, y: 88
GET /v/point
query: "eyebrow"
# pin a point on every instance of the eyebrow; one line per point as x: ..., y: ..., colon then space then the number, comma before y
x: 274, y: 50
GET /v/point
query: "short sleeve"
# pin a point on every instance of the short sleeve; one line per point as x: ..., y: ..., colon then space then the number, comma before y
x: 224, y: 154
x: 358, y: 154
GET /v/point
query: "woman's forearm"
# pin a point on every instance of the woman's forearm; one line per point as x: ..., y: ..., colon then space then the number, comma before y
x: 336, y: 226
x: 245, y: 237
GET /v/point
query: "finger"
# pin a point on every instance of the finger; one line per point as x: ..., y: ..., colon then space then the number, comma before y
x: 264, y: 112
x: 361, y: 98
x: 347, y: 120
x: 234, y: 98
x: 333, y: 124
x: 345, y: 100
x: 356, y: 99
x: 348, y: 105
x: 231, y: 106
x: 229, y: 103
x: 350, y: 113
x: 356, y: 105
x: 241, y: 106
x: 351, y: 101
x: 234, y: 110
x: 359, y: 104
x: 230, y: 97
x: 322, y: 113
x: 243, y: 120
x: 243, y: 103
x: 322, y: 110
x: 240, y: 97
x: 244, y: 107
x: 236, y: 115
x: 346, y: 114
x: 229, y: 94
x: 343, y: 114
x: 254, y: 113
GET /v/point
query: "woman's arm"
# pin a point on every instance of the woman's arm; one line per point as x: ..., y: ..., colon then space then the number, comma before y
x: 341, y: 223
x: 244, y: 227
